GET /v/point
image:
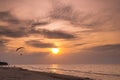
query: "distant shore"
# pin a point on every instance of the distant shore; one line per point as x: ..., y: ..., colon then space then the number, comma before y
x: 13, y: 73
x: 3, y: 63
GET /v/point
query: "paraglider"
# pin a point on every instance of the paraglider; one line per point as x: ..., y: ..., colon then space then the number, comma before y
x: 19, y: 49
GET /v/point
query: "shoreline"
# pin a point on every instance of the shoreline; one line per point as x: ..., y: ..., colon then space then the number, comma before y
x: 16, y: 73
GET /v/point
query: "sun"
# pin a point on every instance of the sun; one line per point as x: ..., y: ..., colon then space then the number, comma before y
x: 55, y: 50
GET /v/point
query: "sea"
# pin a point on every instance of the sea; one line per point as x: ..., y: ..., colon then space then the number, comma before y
x: 94, y: 71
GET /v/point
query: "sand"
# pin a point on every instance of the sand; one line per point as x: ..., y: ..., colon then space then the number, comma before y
x: 13, y: 73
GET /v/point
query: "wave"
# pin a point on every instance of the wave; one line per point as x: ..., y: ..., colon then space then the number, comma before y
x: 89, y: 72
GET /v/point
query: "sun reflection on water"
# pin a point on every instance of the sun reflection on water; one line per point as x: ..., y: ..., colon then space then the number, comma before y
x: 54, y: 68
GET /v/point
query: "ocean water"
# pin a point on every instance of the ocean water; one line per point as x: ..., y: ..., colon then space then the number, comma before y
x: 94, y: 71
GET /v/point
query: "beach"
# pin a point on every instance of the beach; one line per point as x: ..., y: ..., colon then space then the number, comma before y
x: 15, y: 73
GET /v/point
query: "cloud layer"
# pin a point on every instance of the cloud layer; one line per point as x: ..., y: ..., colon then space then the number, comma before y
x: 39, y: 44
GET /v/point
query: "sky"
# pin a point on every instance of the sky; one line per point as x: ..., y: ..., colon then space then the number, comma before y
x: 84, y: 31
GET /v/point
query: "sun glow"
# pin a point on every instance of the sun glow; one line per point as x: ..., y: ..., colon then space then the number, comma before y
x: 55, y: 50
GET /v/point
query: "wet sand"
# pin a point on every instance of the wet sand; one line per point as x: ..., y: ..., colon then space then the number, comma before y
x: 13, y: 73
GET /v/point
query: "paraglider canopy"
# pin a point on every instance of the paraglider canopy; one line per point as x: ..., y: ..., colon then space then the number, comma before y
x: 19, y: 48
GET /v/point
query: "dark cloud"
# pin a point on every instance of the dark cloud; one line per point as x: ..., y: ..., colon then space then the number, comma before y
x: 53, y: 34
x: 10, y: 32
x: 8, y: 17
x: 64, y: 12
x: 41, y: 23
x: 38, y: 54
x: 23, y: 32
x: 57, y: 34
x: 2, y: 42
x: 39, y: 44
x: 79, y: 44
x: 103, y: 54
x: 110, y: 49
x: 13, y: 28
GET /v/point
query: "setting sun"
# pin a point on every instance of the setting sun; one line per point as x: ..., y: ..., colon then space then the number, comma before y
x: 55, y: 50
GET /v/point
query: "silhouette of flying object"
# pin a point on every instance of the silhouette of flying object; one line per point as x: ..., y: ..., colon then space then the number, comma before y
x: 19, y: 48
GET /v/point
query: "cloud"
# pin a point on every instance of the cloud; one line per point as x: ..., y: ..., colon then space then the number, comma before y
x: 110, y: 49
x: 39, y: 44
x: 8, y: 17
x: 3, y: 41
x: 102, y: 54
x: 39, y: 23
x: 79, y: 44
x: 103, y: 51
x: 53, y: 34
x: 67, y: 12
x: 96, y: 19
x: 23, y: 32
x: 76, y: 18
x: 10, y: 32
x: 64, y: 12
x: 15, y: 28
